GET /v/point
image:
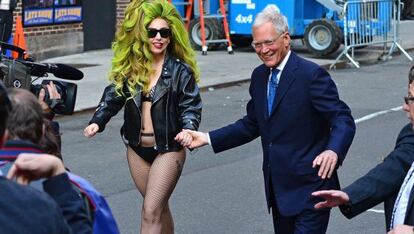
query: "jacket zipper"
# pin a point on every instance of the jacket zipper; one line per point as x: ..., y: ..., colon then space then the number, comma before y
x: 166, y: 122
x: 153, y: 100
x: 140, y: 117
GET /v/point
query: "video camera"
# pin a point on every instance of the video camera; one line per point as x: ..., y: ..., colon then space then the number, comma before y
x: 18, y: 73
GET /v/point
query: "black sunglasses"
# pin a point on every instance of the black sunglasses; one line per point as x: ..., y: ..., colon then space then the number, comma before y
x: 164, y: 32
x: 408, y: 100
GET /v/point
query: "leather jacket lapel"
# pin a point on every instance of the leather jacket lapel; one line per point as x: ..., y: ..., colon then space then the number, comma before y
x: 164, y: 81
x: 161, y: 89
x: 137, y: 97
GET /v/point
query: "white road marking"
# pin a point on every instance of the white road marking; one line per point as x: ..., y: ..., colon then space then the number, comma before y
x: 376, y: 211
x: 376, y: 114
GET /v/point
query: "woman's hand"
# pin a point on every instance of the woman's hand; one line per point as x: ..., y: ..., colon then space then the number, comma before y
x: 91, y: 130
x: 192, y: 139
x: 184, y: 138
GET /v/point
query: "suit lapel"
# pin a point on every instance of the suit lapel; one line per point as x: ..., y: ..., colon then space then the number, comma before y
x: 286, y: 79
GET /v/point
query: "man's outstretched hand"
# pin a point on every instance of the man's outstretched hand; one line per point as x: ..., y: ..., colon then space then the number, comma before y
x: 192, y: 139
x: 333, y: 198
x: 402, y: 229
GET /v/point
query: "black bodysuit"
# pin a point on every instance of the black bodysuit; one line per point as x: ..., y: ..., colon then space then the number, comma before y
x: 146, y: 153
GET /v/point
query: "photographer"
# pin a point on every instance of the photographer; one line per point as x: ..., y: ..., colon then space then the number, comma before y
x: 97, y: 208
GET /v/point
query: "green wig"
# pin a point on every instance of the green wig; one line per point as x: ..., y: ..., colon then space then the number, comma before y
x: 132, y: 61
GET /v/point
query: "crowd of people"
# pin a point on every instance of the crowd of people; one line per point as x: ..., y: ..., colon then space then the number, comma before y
x: 154, y: 78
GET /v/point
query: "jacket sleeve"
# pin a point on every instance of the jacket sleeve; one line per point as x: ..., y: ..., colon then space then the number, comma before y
x: 325, y: 100
x: 241, y: 132
x: 60, y: 189
x: 384, y: 180
x: 109, y: 106
x: 189, y: 100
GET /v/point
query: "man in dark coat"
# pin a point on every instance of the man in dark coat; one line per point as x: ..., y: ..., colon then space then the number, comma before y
x: 305, y: 129
x: 383, y: 182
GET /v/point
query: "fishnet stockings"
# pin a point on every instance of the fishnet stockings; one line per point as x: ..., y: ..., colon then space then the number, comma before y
x: 156, y: 182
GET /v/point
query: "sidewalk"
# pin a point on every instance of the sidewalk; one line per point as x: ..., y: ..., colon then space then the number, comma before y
x: 217, y: 68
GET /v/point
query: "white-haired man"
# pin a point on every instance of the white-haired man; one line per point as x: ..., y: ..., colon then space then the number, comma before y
x: 305, y: 128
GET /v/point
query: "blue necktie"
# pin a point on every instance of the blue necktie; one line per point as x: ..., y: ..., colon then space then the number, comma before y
x: 272, y: 90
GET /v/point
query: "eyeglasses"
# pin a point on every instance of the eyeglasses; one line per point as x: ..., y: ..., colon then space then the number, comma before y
x: 408, y: 100
x: 259, y: 45
x: 164, y: 32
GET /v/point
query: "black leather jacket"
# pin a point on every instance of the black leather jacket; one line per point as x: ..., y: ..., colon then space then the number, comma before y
x: 176, y: 105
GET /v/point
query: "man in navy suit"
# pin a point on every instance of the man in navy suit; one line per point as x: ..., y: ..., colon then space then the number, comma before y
x: 388, y: 182
x: 305, y: 128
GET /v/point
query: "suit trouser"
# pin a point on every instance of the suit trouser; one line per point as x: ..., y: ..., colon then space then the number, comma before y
x: 408, y: 8
x: 6, y: 25
x: 309, y: 221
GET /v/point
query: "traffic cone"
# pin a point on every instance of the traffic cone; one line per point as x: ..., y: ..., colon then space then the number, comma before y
x: 18, y: 39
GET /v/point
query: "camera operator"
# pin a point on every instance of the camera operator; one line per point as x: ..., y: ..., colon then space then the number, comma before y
x: 97, y: 208
x: 62, y: 214
x: 48, y: 113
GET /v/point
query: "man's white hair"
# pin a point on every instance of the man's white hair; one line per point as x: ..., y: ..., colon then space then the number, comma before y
x: 271, y: 13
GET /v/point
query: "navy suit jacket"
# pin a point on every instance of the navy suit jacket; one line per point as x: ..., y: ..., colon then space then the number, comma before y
x: 307, y: 118
x: 383, y: 182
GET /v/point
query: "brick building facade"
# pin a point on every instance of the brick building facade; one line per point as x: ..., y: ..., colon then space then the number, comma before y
x: 120, y: 9
x: 47, y: 41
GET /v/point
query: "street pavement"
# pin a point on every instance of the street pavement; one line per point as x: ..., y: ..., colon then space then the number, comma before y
x: 223, y: 193
x: 218, y: 68
x: 235, y: 205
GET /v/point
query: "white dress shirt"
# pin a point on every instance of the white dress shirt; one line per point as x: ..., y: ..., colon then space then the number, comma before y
x: 280, y: 67
x: 400, y: 206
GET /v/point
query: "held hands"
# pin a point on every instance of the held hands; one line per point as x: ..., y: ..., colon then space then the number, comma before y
x: 326, y: 161
x: 332, y: 198
x: 29, y: 167
x: 191, y: 139
x: 91, y: 130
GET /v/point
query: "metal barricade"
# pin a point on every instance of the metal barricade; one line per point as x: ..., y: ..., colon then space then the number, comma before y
x: 369, y: 22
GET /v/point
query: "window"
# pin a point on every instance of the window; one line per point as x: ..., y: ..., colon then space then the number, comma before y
x: 67, y: 2
x: 46, y: 12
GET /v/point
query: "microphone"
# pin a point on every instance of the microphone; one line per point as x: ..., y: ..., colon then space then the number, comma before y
x: 59, y: 70
x: 65, y: 71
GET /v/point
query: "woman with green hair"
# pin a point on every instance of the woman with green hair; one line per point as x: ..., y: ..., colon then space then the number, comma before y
x: 154, y: 77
